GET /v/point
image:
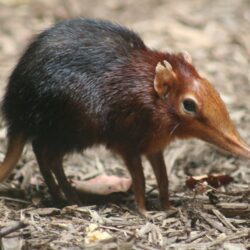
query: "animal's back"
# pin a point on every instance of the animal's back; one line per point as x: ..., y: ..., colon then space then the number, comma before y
x: 75, y: 81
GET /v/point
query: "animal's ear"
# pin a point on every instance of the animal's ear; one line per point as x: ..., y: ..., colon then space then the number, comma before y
x: 164, y: 77
x: 186, y: 56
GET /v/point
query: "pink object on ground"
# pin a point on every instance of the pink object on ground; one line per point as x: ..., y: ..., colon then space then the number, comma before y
x: 103, y: 185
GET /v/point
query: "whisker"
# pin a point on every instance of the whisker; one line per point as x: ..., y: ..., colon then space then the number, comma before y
x: 174, y: 128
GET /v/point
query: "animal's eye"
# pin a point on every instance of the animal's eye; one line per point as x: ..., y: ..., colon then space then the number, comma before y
x: 189, y: 106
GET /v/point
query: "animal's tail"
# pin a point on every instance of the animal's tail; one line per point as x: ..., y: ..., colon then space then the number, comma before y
x: 14, y: 150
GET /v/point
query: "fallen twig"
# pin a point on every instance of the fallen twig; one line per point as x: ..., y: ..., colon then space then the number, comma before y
x: 12, y: 228
x: 224, y: 220
x: 230, y: 209
x: 213, y: 223
x: 14, y: 199
x: 223, y: 237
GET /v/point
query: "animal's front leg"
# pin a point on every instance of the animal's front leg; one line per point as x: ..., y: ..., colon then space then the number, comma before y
x: 160, y: 171
x: 134, y: 165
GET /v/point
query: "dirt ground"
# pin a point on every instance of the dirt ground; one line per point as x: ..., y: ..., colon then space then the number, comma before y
x: 216, y: 34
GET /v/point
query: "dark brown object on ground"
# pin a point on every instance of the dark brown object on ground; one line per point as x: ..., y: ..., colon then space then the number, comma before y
x: 213, y: 180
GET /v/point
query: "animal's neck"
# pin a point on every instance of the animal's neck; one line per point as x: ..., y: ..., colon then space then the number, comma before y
x: 165, y: 130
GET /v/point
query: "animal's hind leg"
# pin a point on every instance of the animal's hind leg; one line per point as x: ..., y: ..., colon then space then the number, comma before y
x: 68, y: 190
x: 46, y: 164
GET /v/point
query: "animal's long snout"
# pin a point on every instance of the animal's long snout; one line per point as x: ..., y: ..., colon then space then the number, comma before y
x: 237, y: 146
x: 230, y: 142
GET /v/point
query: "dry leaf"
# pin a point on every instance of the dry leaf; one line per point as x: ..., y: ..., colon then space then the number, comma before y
x: 213, y: 180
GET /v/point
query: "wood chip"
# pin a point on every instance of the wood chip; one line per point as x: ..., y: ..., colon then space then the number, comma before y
x: 230, y: 209
x: 12, y: 228
x: 45, y: 211
x: 213, y: 223
x: 13, y: 243
x: 224, y: 220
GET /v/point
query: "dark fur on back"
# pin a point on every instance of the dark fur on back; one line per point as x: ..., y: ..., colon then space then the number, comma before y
x: 66, y: 87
